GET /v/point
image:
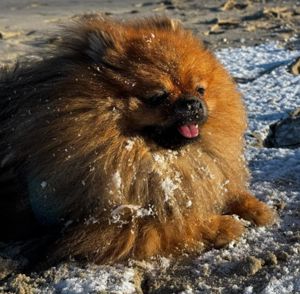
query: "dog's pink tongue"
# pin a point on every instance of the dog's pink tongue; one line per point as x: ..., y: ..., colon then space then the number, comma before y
x: 189, y: 131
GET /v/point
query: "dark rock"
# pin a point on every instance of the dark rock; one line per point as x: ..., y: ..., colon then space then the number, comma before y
x: 270, y: 258
x: 282, y: 256
x: 249, y: 266
x: 285, y: 133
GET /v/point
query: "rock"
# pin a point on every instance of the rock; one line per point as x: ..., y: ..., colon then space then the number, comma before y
x: 250, y: 266
x: 258, y: 139
x: 296, y: 237
x: 270, y: 258
x: 21, y: 284
x: 282, y: 256
x: 228, y: 5
x: 231, y: 4
x: 223, y: 24
x: 285, y: 133
x: 10, y: 34
x: 295, y: 67
x: 279, y: 12
x: 206, y: 270
x: 280, y: 205
x: 228, y: 23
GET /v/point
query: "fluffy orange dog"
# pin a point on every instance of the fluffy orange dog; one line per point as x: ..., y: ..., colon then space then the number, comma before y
x: 128, y: 137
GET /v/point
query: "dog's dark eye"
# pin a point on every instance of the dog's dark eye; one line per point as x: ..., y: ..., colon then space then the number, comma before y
x: 157, y: 98
x: 201, y: 90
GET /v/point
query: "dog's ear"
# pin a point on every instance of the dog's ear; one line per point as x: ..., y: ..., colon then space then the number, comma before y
x: 92, y: 36
x: 99, y: 42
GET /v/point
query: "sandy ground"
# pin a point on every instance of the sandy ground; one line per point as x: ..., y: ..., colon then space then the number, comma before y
x: 23, y: 24
x: 263, y: 256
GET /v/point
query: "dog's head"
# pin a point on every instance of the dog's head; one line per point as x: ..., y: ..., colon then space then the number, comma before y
x: 162, y: 79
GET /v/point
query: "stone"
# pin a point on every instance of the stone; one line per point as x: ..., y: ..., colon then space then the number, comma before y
x: 284, y: 133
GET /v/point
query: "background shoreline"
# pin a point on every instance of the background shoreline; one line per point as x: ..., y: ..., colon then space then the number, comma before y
x: 24, y: 25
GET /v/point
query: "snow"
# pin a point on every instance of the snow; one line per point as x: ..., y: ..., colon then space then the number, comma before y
x: 248, y: 290
x: 286, y: 285
x: 129, y: 145
x: 189, y: 203
x: 271, y: 95
x: 158, y: 158
x: 106, y: 279
x: 44, y: 184
x: 117, y: 181
x: 168, y: 187
x: 249, y: 62
x: 136, y: 211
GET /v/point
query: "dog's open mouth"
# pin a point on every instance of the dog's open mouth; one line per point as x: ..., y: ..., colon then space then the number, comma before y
x: 174, y: 136
x: 189, y: 131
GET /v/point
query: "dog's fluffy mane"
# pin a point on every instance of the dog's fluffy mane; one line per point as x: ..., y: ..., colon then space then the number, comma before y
x: 65, y: 131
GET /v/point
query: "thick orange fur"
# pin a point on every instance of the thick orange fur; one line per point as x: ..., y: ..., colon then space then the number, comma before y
x: 71, y: 131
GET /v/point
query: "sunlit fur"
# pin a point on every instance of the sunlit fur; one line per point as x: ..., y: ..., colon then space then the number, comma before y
x: 71, y: 132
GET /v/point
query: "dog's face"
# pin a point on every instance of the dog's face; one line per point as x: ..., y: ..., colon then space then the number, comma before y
x: 178, y: 116
x: 163, y: 106
x: 165, y: 82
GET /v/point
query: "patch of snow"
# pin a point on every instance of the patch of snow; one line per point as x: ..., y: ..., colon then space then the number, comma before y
x: 158, y: 158
x: 285, y: 285
x: 129, y: 145
x: 44, y: 184
x: 91, y: 220
x: 270, y: 96
x: 168, y: 186
x: 249, y: 62
x: 248, y: 290
x: 116, y: 280
x: 136, y: 211
x: 189, y: 203
x: 117, y: 181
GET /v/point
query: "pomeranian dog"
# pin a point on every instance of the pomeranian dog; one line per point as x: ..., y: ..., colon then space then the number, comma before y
x: 128, y: 139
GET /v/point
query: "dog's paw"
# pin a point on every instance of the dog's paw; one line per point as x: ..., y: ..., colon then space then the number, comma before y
x: 253, y: 210
x: 261, y: 214
x: 222, y: 229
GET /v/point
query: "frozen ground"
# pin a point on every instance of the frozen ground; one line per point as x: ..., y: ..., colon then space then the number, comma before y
x: 266, y: 260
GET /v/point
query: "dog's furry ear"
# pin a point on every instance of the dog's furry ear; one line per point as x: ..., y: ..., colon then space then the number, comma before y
x: 99, y: 42
x: 92, y: 36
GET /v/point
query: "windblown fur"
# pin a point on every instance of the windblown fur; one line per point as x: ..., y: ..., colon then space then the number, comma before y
x: 76, y: 140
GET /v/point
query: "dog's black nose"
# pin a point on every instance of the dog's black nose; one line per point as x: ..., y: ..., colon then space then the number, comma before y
x: 191, y: 108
